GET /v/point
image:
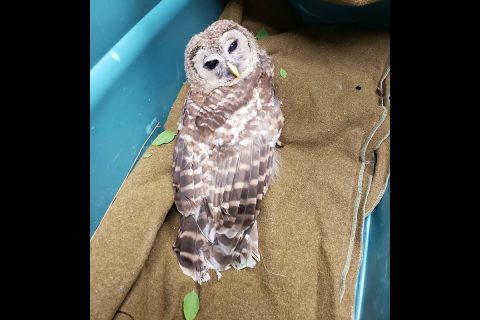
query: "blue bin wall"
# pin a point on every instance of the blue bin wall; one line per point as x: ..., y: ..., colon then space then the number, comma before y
x: 133, y: 86
x: 110, y: 20
x: 373, y: 283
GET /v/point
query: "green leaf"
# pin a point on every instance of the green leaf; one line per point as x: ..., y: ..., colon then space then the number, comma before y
x: 164, y: 137
x: 191, y: 304
x: 147, y: 155
x: 262, y: 34
x: 283, y: 73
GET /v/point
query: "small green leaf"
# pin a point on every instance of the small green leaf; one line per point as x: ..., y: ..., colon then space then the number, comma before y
x: 191, y: 304
x: 164, y: 137
x: 147, y: 155
x: 283, y: 73
x: 262, y: 34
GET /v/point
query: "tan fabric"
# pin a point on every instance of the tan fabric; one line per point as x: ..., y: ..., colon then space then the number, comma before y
x: 333, y: 133
x: 352, y: 2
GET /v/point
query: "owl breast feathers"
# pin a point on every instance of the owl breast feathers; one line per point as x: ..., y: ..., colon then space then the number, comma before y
x: 225, y: 156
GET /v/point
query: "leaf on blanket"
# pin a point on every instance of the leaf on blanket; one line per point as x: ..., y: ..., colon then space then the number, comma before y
x: 261, y: 34
x: 283, y: 73
x: 191, y: 304
x: 147, y: 155
x: 164, y: 137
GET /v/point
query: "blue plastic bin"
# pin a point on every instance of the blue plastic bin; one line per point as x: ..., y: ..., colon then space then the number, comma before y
x: 136, y: 61
x: 137, y: 70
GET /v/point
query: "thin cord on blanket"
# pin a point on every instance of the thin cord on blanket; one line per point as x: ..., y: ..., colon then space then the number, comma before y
x: 134, y: 162
x: 263, y: 262
x: 380, y: 88
x: 128, y: 173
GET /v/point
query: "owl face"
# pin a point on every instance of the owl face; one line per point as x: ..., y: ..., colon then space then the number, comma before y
x: 222, y: 55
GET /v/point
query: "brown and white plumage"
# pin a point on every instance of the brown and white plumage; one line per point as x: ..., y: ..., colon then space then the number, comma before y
x: 225, y: 157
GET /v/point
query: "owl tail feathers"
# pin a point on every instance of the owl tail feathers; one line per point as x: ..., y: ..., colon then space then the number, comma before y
x: 190, y: 248
x: 246, y: 253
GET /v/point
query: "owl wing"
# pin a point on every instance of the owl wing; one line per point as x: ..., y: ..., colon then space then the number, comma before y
x: 223, y: 197
x: 192, y: 243
x: 241, y: 178
x: 237, y: 191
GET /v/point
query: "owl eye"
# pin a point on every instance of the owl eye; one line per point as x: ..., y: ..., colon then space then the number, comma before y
x: 211, y: 64
x: 232, y: 47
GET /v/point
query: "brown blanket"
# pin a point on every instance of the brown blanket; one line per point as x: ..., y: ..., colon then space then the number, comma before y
x: 352, y: 2
x: 333, y: 171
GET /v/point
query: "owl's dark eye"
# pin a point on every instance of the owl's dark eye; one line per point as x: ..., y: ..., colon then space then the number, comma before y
x: 232, y: 47
x: 211, y: 64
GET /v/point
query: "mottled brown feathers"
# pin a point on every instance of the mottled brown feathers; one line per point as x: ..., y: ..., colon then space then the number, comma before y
x: 224, y: 162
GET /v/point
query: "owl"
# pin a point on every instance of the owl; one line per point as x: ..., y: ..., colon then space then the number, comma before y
x: 225, y: 154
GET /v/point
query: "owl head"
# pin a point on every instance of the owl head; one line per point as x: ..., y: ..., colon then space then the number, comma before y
x: 222, y: 55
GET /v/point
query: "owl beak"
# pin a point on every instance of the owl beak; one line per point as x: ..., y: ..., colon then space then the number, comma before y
x: 233, y: 70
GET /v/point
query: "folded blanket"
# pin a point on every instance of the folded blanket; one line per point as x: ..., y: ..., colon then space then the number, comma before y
x: 334, y: 166
x: 352, y: 2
